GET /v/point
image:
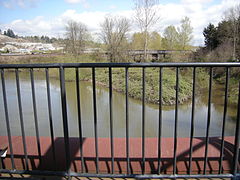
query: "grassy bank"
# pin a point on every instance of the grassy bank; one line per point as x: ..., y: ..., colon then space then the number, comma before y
x: 233, y: 84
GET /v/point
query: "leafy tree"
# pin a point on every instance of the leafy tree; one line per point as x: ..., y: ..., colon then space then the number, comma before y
x: 185, y: 33
x: 137, y: 41
x: 210, y: 35
x: 155, y: 41
x: 170, y: 40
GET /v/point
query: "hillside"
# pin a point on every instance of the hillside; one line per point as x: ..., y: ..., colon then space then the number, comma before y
x: 4, y: 39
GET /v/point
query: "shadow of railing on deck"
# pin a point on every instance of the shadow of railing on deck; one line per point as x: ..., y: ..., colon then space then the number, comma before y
x: 48, y: 164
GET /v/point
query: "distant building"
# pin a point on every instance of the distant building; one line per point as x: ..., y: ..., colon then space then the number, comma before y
x: 28, y: 48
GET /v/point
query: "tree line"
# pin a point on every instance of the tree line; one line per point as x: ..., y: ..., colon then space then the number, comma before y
x: 9, y: 33
x: 116, y: 38
x: 222, y: 42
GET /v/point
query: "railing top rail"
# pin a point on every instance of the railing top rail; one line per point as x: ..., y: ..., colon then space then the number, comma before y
x: 104, y: 65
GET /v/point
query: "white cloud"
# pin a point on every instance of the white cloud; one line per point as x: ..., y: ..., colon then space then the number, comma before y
x: 199, y: 14
x: 91, y: 19
x: 36, y: 26
x: 170, y: 14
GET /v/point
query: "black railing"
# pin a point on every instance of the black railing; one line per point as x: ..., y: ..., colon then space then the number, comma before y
x: 83, y: 172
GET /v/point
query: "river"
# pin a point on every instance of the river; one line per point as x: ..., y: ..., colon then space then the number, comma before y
x: 135, y: 111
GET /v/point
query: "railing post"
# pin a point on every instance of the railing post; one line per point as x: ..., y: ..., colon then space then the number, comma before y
x: 127, y: 121
x: 35, y: 115
x: 95, y: 118
x: 176, y: 124
x: 21, y: 118
x: 7, y: 118
x: 224, y: 121
x: 160, y: 120
x: 79, y: 120
x: 237, y: 138
x: 50, y: 116
x: 111, y: 118
x: 208, y: 121
x: 143, y: 120
x: 192, y: 120
x: 65, y: 118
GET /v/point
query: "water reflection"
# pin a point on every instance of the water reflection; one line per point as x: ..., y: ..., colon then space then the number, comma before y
x: 119, y: 123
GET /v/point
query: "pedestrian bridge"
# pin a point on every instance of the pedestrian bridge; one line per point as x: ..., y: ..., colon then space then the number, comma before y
x: 128, y: 157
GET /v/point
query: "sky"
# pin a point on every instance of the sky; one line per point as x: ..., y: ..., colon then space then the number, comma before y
x: 49, y: 17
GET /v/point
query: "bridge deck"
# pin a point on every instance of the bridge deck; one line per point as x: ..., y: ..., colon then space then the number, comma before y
x: 151, y: 154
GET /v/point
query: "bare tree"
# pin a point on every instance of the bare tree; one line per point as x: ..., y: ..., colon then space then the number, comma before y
x: 113, y: 33
x: 146, y: 17
x: 233, y: 15
x: 76, y: 35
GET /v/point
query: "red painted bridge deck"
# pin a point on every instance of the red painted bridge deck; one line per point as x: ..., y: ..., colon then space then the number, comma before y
x: 151, y: 154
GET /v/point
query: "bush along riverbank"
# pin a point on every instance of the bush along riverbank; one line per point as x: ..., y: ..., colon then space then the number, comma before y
x: 135, y: 84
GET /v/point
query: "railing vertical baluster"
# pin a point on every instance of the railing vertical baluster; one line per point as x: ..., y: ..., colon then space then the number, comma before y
x: 95, y: 118
x: 127, y: 121
x: 50, y: 116
x: 160, y: 120
x: 224, y: 120
x: 237, y: 138
x: 79, y: 121
x: 65, y: 118
x: 35, y: 115
x: 21, y: 118
x: 7, y: 119
x: 143, y: 120
x: 208, y: 121
x: 192, y: 120
x: 2, y: 166
x: 176, y: 123
x: 111, y: 117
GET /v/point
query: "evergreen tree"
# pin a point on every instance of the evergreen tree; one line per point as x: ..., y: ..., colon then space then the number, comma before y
x: 10, y: 33
x: 210, y: 35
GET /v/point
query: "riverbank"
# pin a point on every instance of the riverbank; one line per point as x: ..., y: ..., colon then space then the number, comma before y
x: 135, y: 84
x: 135, y: 78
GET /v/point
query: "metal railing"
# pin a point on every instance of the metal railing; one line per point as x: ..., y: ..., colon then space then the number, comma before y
x: 126, y: 66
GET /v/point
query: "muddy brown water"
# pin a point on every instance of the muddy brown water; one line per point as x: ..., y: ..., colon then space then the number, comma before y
x: 119, y: 120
